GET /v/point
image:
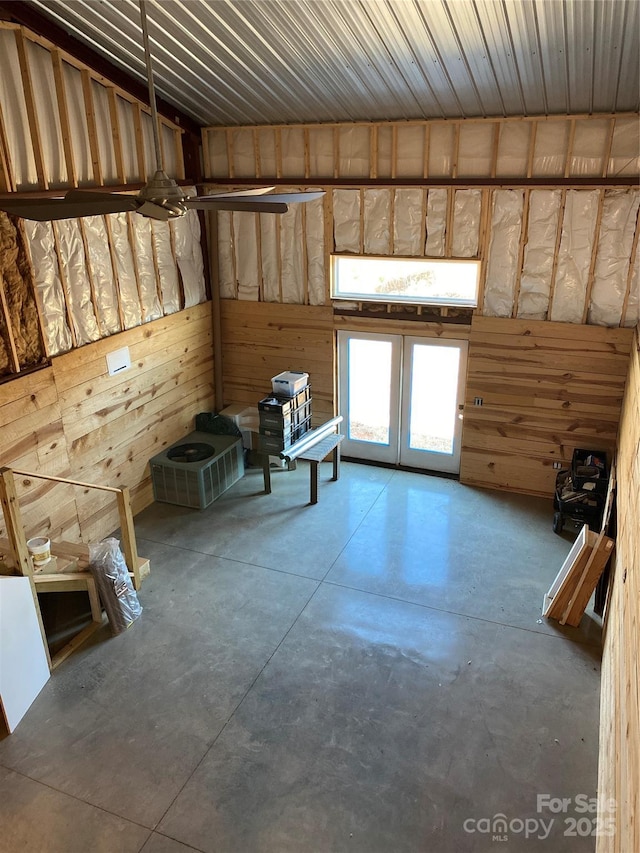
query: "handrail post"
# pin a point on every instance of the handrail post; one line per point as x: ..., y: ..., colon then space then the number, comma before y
x: 129, y: 546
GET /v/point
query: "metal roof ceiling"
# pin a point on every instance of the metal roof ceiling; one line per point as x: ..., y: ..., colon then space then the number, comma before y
x: 281, y: 61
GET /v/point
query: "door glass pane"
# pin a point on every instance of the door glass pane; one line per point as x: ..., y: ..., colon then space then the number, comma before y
x: 434, y: 389
x: 369, y: 390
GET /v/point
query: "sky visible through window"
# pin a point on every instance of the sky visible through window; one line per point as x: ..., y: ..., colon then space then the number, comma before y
x: 405, y: 280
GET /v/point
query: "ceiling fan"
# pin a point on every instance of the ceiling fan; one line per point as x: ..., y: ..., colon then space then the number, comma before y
x: 161, y: 197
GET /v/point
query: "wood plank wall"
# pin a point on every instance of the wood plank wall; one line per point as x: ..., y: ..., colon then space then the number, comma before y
x: 73, y: 419
x: 261, y: 339
x: 619, y: 769
x: 546, y: 389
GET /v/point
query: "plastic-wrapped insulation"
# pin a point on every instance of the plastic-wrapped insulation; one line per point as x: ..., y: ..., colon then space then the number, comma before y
x: 105, y: 133
x: 618, y: 225
x: 244, y: 161
x: 78, y: 285
x: 16, y: 122
x: 346, y: 220
x: 226, y: 272
x: 353, y: 147
x: 186, y: 234
x: 408, y: 224
x: 43, y: 82
x: 99, y: 258
x: 218, y: 159
x: 314, y: 223
x: 147, y: 281
x: 321, y: 150
x: 467, y: 210
x: 270, y: 258
x: 377, y: 211
x: 410, y: 151
x: 267, y: 151
x: 441, y: 140
x: 244, y: 225
x: 291, y: 238
x: 574, y: 256
x: 125, y: 269
x: 537, y: 267
x: 48, y: 286
x: 167, y: 270
x: 436, y: 223
x: 552, y: 139
x: 475, y: 149
x: 292, y: 151
x: 119, y: 598
x: 506, y: 224
x: 632, y: 314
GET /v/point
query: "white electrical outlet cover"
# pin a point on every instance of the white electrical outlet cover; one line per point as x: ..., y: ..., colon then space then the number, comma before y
x: 118, y: 360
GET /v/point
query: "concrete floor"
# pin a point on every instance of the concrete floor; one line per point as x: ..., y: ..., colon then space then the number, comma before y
x: 363, y: 675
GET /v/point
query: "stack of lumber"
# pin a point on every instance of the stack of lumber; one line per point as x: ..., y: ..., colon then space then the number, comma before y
x: 570, y: 592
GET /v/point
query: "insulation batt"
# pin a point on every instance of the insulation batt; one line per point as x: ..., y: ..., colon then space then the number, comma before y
x: 506, y: 224
x: 377, y: 210
x: 147, y: 282
x: 346, y: 220
x: 314, y: 224
x: 99, y: 258
x: 436, y: 223
x: 166, y: 267
x: 619, y: 215
x: 48, y: 286
x: 537, y: 268
x: 186, y: 236
x: 407, y: 222
x: 18, y: 287
x: 125, y: 268
x: 77, y: 280
x: 574, y: 256
x: 466, y: 223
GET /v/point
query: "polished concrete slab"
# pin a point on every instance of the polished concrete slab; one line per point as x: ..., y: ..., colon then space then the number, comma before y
x: 368, y: 674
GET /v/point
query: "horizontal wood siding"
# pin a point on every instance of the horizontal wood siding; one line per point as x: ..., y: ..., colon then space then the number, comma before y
x: 261, y: 339
x: 32, y: 438
x: 75, y: 420
x: 546, y: 388
x: 619, y: 766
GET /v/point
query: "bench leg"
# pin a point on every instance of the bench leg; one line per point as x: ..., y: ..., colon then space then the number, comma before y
x: 336, y: 462
x: 266, y: 474
x: 313, y: 475
x: 94, y: 600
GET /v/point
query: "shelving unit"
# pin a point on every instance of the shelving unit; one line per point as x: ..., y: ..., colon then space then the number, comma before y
x: 75, y: 575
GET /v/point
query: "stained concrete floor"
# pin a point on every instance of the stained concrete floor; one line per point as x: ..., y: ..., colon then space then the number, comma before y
x: 368, y: 675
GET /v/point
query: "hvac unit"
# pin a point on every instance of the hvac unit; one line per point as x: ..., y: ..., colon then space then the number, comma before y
x: 197, y: 470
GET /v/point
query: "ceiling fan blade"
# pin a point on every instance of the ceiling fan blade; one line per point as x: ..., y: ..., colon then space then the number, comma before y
x: 284, y: 198
x: 255, y: 205
x: 74, y: 204
x: 296, y: 198
x: 250, y: 201
x: 240, y: 193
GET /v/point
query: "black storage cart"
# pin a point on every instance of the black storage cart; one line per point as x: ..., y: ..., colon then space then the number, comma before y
x: 581, y: 490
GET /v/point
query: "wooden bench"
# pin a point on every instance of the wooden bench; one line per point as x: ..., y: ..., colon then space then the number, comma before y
x: 313, y: 447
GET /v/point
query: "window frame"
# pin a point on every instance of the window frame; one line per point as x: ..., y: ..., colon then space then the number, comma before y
x: 438, y: 301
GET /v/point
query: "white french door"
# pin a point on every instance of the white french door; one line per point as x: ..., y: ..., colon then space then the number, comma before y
x: 402, y: 399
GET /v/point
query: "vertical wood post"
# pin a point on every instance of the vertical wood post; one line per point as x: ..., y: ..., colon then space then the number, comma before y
x: 129, y: 547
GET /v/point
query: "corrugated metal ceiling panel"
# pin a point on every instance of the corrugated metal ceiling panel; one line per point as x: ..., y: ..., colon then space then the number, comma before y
x: 279, y: 61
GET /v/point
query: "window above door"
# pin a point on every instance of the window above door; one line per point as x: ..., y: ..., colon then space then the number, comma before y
x: 410, y: 281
